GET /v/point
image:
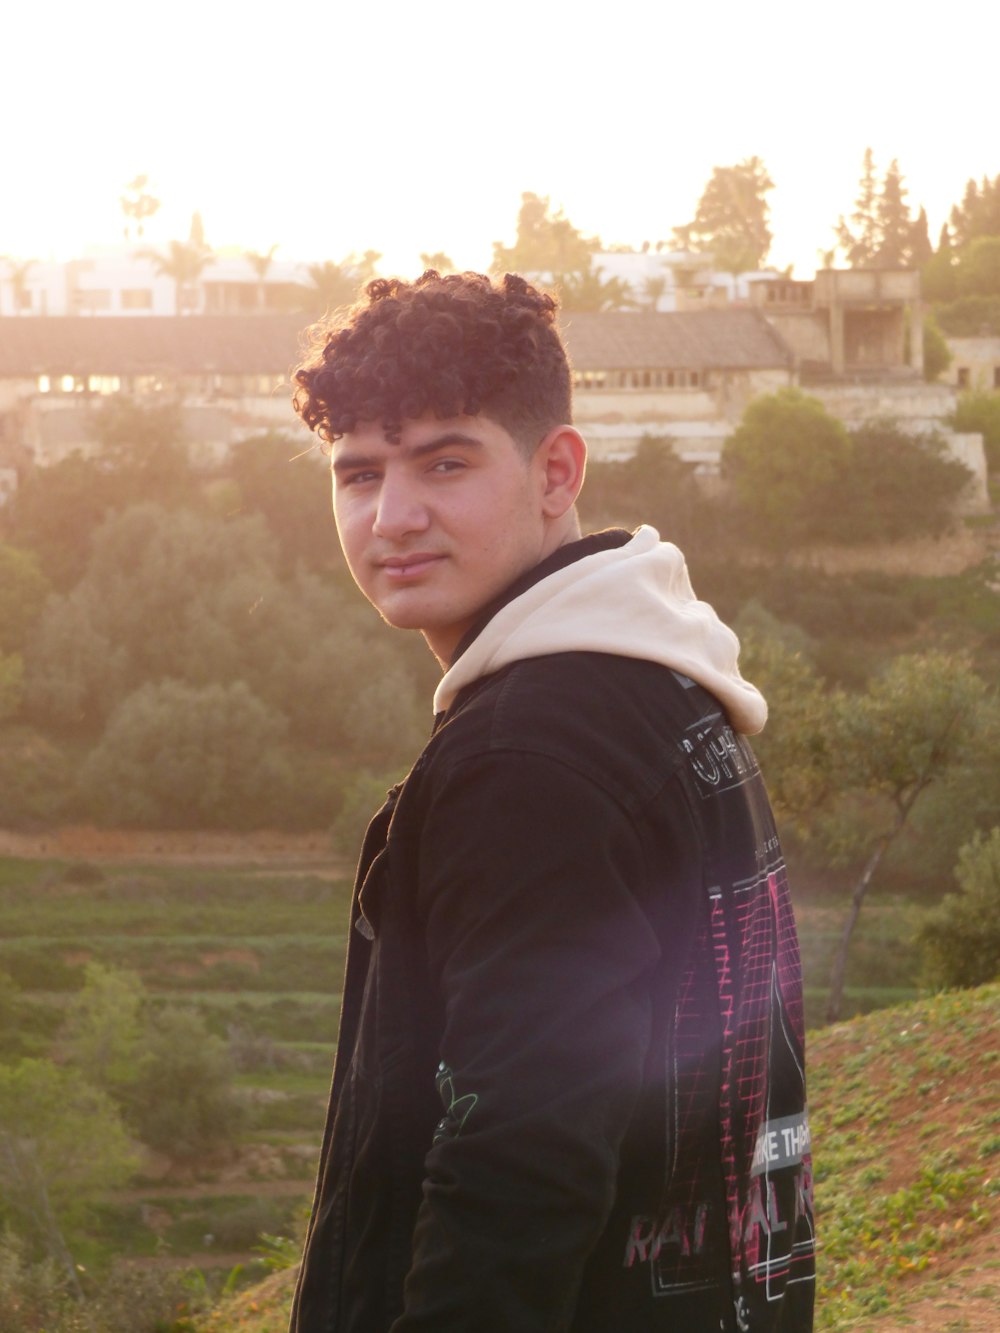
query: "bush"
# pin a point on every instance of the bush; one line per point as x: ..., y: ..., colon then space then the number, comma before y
x: 900, y: 485
x: 33, y: 1296
x: 239, y: 1224
x: 783, y: 460
x: 36, y: 780
x: 970, y: 317
x: 182, y: 1101
x: 979, y: 411
x: 961, y: 942
x: 363, y: 796
x: 800, y: 477
x: 937, y: 353
x: 175, y: 756
x: 653, y: 486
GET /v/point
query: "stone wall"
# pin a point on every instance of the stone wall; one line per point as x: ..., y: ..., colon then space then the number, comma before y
x: 979, y: 358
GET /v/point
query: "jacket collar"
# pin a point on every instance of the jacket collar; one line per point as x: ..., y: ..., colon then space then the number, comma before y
x: 607, y: 540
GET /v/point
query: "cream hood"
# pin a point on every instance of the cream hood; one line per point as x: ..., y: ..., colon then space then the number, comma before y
x: 634, y: 601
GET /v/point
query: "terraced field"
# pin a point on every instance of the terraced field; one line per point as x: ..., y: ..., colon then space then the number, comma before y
x: 258, y: 951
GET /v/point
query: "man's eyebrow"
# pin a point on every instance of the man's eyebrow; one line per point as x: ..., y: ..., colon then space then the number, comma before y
x: 445, y: 441
x: 349, y: 462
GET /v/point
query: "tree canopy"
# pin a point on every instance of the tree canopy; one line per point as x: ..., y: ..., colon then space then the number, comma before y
x: 908, y: 731
x: 335, y: 285
x: 881, y: 232
x: 184, y: 263
x: 138, y: 204
x: 732, y: 218
x: 587, y: 290
x: 546, y: 242
x: 783, y: 460
x: 61, y: 1143
x: 977, y: 271
x: 800, y: 476
x: 979, y: 212
x: 979, y: 411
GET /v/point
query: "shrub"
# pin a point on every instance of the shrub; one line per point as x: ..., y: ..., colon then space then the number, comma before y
x: 175, y: 756
x: 970, y: 317
x: 900, y: 485
x: 783, y: 459
x: 183, y: 1101
x: 36, y: 779
x: 961, y: 941
x: 33, y: 1296
x: 937, y: 353
x: 239, y: 1225
x: 979, y: 411
x: 363, y: 796
x: 798, y: 476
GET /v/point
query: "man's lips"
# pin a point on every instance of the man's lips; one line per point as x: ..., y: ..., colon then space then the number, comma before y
x: 399, y: 567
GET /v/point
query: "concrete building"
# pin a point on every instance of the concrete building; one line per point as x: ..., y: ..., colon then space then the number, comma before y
x: 685, y: 375
x: 975, y: 363
x: 121, y: 280
x: 860, y: 325
x: 230, y: 373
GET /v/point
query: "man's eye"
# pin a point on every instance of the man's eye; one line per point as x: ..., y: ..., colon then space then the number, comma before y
x: 448, y: 465
x: 357, y: 478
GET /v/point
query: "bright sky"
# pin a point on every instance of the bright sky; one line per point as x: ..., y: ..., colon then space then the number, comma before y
x: 407, y: 127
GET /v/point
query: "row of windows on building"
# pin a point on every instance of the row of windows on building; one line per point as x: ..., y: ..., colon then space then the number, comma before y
x: 963, y: 377
x: 256, y: 386
x: 638, y: 379
x: 90, y: 299
x: 189, y: 386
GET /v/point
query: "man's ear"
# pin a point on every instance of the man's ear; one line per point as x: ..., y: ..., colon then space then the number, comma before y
x: 562, y: 460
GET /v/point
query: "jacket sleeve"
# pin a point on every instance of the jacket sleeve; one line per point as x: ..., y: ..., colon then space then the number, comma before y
x: 543, y: 956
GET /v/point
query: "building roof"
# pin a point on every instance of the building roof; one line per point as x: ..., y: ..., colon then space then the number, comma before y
x: 271, y: 344
x: 149, y: 344
x: 678, y: 340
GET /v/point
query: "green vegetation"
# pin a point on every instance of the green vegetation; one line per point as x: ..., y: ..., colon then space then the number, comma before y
x: 902, y: 1101
x: 731, y: 222
x: 970, y: 317
x: 800, y: 476
x: 197, y: 662
x: 141, y: 984
x: 881, y: 233
x: 961, y: 939
x: 124, y: 973
x: 979, y: 411
x: 201, y: 662
x: 904, y: 1154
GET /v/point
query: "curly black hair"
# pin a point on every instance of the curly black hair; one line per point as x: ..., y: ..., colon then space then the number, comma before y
x: 454, y: 345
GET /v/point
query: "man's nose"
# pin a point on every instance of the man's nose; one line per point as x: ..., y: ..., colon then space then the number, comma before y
x: 400, y: 510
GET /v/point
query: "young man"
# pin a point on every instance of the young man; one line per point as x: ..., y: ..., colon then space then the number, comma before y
x: 569, y: 1088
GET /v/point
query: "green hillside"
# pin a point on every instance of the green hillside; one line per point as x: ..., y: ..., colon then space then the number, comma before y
x: 905, y: 1134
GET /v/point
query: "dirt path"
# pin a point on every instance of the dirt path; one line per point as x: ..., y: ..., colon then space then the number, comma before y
x: 178, y: 847
x: 215, y: 1190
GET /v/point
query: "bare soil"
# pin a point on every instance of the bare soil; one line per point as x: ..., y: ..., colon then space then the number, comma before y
x: 80, y: 842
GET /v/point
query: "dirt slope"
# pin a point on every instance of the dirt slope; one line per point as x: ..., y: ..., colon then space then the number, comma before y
x: 905, y: 1111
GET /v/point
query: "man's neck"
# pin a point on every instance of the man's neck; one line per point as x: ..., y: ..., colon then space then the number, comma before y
x: 566, y: 554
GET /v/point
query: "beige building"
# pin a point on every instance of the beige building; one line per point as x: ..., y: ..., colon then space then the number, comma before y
x: 975, y: 363
x: 685, y: 375
x: 229, y: 373
x: 849, y: 323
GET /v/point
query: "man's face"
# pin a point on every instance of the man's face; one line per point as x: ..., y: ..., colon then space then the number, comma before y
x: 434, y: 527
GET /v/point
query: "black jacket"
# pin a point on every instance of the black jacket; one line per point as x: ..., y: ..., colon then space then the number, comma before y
x: 569, y: 1088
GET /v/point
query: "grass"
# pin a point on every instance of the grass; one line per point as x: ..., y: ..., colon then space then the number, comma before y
x: 902, y: 1102
x: 902, y: 1139
x: 904, y: 1219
